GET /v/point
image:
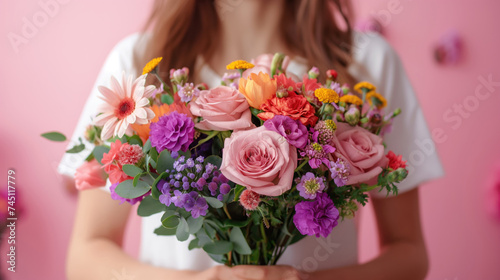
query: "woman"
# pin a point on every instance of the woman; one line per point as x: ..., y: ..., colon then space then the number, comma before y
x: 206, y: 34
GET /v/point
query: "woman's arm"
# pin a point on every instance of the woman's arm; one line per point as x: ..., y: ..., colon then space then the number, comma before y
x: 95, y: 250
x: 403, y: 254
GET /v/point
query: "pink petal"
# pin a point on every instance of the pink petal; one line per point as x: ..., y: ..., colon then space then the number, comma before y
x: 150, y: 113
x: 109, y: 96
x: 143, y: 102
x: 107, y: 130
x: 141, y: 113
x: 103, y: 118
x: 149, y: 90
x: 116, y: 87
x: 131, y: 118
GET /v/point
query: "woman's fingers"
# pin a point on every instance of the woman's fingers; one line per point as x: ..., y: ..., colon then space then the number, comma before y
x: 277, y: 272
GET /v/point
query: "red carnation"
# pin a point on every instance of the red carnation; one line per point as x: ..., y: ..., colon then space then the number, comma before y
x: 395, y: 161
x: 249, y: 200
x: 283, y: 82
x: 295, y: 106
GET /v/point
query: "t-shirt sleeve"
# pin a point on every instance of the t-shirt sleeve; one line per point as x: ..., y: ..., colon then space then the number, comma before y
x: 377, y: 62
x: 119, y: 61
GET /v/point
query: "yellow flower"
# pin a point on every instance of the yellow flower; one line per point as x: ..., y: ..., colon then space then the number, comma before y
x: 326, y: 95
x: 239, y: 64
x: 382, y: 102
x: 330, y: 124
x: 351, y: 99
x: 359, y: 87
x: 151, y: 65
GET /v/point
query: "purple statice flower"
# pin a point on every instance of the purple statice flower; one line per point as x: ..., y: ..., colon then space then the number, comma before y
x: 310, y: 185
x: 178, y: 198
x: 195, y: 204
x: 225, y: 188
x: 340, y: 171
x: 188, y: 92
x: 132, y: 201
x: 317, y: 217
x: 293, y: 130
x: 174, y: 132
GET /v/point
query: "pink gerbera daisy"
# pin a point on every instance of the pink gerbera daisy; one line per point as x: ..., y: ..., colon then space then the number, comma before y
x: 125, y: 104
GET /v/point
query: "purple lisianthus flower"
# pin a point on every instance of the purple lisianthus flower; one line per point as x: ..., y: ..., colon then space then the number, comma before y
x: 317, y: 217
x: 132, y: 201
x: 195, y: 204
x: 339, y: 171
x: 310, y: 185
x: 293, y: 130
x: 174, y: 132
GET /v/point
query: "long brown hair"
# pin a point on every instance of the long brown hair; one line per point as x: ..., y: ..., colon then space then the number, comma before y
x: 183, y: 30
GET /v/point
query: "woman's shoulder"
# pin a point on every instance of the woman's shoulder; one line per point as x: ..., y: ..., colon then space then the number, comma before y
x: 370, y: 46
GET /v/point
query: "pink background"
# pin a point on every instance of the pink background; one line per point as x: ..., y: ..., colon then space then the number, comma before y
x: 46, y: 81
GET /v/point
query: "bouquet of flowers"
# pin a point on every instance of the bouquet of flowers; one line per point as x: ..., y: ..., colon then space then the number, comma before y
x: 248, y: 167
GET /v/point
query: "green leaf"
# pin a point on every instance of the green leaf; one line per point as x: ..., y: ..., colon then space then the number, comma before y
x: 136, y: 179
x: 203, y: 239
x: 150, y: 206
x: 167, y: 99
x: 218, y: 247
x: 215, y: 160
x: 126, y: 189
x: 131, y: 170
x: 182, y: 232
x: 147, y: 147
x: 186, y: 154
x: 237, y: 192
x: 154, y: 187
x: 54, y: 136
x: 77, y: 148
x: 99, y: 151
x: 214, y: 202
x: 164, y: 231
x: 194, y: 244
x: 234, y: 223
x: 171, y: 221
x: 153, y: 154
x: 195, y: 224
x: 165, y: 161
x: 135, y: 139
x: 239, y: 242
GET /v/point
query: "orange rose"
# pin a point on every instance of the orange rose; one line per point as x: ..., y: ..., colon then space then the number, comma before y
x: 257, y: 89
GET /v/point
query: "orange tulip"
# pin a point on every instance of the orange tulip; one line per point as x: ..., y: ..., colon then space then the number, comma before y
x: 257, y: 88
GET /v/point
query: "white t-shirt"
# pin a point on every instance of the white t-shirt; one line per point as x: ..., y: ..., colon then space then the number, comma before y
x: 374, y: 61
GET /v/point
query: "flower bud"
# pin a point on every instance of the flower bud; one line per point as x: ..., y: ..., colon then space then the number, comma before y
x: 329, y: 109
x: 280, y: 93
x: 313, y: 73
x: 339, y: 116
x: 376, y: 119
x: 352, y: 116
x: 90, y: 133
x: 392, y: 177
x: 331, y: 74
x: 401, y: 174
x: 179, y: 76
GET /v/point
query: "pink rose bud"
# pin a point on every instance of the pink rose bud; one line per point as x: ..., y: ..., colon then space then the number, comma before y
x: 331, y: 74
x: 313, y: 73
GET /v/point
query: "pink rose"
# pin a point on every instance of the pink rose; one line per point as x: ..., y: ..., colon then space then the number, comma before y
x: 222, y: 108
x: 259, y: 159
x: 90, y: 175
x: 363, y: 151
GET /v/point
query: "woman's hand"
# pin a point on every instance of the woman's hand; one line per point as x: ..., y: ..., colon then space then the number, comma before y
x: 276, y: 272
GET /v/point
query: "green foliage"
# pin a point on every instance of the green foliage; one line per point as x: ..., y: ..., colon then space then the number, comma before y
x: 165, y: 161
x: 218, y: 247
x: 239, y: 242
x: 213, y: 202
x: 215, y: 160
x: 77, y: 148
x: 54, y: 136
x: 131, y: 170
x: 98, y: 152
x: 165, y: 231
x: 182, y: 232
x: 126, y: 189
x: 150, y: 206
x: 134, y: 140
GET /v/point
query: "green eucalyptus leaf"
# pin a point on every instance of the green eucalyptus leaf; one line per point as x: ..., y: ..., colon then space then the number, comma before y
x: 76, y: 149
x: 146, y: 147
x: 165, y: 161
x: 131, y: 170
x: 150, y: 206
x: 239, y: 242
x: 54, y: 136
x: 194, y: 224
x: 182, y: 232
x: 214, y: 202
x: 154, y: 187
x: 167, y: 99
x: 237, y: 192
x: 194, y: 244
x: 164, y: 231
x: 171, y: 221
x: 135, y: 140
x: 98, y: 152
x: 215, y: 160
x: 218, y: 247
x: 126, y: 189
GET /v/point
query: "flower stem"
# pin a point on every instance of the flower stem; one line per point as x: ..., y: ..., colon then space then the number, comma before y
x: 302, y: 164
x: 226, y: 211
